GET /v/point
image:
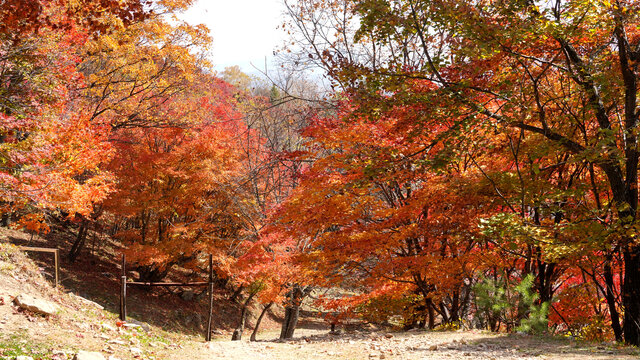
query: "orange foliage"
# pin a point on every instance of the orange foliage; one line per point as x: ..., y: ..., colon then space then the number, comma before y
x: 177, y: 193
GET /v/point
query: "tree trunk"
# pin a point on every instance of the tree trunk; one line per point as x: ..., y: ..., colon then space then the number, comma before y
x: 611, y: 300
x: 455, y: 307
x: 255, y: 328
x: 432, y: 314
x: 494, y: 325
x: 544, y: 278
x: 80, y: 240
x: 631, y: 295
x: 444, y: 313
x: 290, y: 322
x: 292, y: 310
x: 6, y: 219
x: 285, y: 322
x: 464, y: 308
x: 236, y: 294
x: 237, y: 333
x: 151, y: 273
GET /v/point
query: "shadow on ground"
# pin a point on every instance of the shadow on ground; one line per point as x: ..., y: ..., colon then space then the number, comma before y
x: 95, y: 275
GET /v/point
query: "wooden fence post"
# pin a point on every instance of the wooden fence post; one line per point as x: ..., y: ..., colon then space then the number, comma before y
x: 209, y: 324
x: 56, y: 259
x: 123, y: 291
x: 56, y: 264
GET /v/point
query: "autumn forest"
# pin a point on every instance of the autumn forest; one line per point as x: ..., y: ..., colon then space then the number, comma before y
x: 456, y: 164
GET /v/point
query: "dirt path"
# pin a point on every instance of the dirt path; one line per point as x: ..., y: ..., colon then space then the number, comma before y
x: 413, y: 345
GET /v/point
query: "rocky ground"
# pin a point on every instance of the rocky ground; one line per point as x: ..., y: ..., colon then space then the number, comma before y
x: 415, y: 345
x: 65, y: 326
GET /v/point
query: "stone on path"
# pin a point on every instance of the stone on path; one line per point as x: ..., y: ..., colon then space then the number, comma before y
x: 108, y: 327
x: 88, y: 355
x: 87, y: 301
x: 35, y: 305
x: 132, y: 323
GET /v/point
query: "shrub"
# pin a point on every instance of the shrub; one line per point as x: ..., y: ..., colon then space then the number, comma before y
x: 514, y: 306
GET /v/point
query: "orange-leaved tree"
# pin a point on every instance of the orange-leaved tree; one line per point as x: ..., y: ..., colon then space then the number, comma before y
x: 178, y: 196
x: 561, y: 73
x: 386, y: 211
x: 51, y: 153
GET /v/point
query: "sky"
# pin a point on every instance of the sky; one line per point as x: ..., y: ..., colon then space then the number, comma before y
x: 244, y: 31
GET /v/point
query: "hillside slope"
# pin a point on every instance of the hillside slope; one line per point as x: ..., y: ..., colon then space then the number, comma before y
x: 80, y: 324
x: 87, y: 302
